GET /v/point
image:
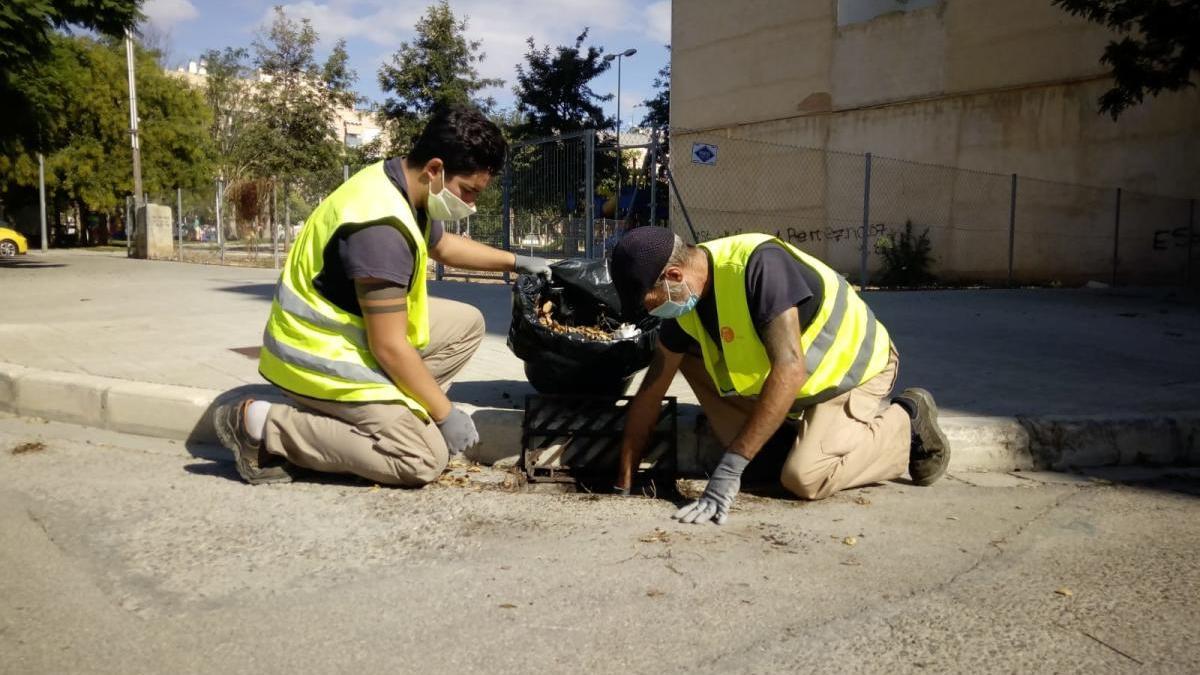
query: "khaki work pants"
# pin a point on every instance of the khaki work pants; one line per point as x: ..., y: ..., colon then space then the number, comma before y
x: 851, y: 440
x: 383, y: 442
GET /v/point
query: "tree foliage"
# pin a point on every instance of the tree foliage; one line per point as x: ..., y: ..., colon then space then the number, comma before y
x: 439, y: 67
x: 554, y: 91
x: 80, y: 90
x: 658, y: 107
x: 27, y: 36
x: 291, y: 135
x: 1159, y: 47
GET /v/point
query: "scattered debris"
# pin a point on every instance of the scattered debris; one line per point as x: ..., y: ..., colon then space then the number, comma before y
x: 862, y: 501
x: 1065, y: 592
x: 852, y: 562
x: 507, y: 605
x: 654, y: 593
x: 951, y: 517
x: 547, y: 318
x: 850, y: 541
x: 658, y: 535
x: 454, y: 481
x: 776, y: 540
x: 30, y: 446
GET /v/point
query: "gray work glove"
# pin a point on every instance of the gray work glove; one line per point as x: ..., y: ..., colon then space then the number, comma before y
x: 459, y: 431
x: 530, y: 265
x: 718, y: 497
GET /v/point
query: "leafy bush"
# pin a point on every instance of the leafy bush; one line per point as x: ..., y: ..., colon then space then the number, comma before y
x: 906, y: 258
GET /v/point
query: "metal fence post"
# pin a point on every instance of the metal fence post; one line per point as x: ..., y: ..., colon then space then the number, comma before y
x: 506, y: 212
x: 179, y: 218
x: 42, y: 202
x: 274, y: 226
x: 654, y: 175
x: 287, y: 220
x: 589, y: 204
x: 866, y: 220
x: 345, y: 172
x: 1116, y: 237
x: 129, y: 216
x: 220, y: 231
x: 1191, y: 237
x: 1012, y: 227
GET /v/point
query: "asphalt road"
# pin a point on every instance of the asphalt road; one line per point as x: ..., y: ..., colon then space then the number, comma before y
x: 122, y: 554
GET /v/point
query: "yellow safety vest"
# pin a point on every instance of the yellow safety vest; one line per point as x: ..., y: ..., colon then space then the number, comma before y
x: 843, y: 347
x: 311, y: 346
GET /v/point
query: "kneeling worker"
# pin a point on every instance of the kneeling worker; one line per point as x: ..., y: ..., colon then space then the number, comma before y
x: 353, y: 339
x: 766, y: 334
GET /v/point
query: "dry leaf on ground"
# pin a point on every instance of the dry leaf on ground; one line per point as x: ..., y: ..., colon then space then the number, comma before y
x: 658, y: 534
x: 31, y: 446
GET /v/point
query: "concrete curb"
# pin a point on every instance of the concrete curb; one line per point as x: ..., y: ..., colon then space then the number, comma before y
x: 980, y: 443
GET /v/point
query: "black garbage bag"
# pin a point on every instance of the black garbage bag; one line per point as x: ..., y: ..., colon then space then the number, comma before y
x: 559, y: 360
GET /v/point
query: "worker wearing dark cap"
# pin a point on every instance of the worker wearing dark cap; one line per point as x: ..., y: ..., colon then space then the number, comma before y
x: 768, y: 335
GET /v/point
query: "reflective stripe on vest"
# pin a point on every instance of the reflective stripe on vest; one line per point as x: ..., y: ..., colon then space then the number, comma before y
x: 311, y: 346
x: 843, y: 346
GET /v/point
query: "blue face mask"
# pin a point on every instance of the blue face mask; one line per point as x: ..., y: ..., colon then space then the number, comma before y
x: 671, y: 309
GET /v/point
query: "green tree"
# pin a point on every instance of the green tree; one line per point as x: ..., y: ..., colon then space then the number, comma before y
x: 553, y: 89
x: 292, y: 135
x: 80, y: 90
x: 439, y: 67
x: 226, y: 91
x: 658, y: 107
x: 1159, y: 48
x: 27, y: 29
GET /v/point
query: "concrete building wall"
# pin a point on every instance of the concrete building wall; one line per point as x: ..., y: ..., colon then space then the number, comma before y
x: 970, y: 84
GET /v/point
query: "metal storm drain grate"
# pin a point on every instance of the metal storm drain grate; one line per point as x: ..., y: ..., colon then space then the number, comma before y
x: 571, y: 438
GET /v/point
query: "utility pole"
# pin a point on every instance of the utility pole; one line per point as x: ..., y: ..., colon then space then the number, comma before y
x: 42, y: 200
x: 133, y: 122
x: 618, y: 57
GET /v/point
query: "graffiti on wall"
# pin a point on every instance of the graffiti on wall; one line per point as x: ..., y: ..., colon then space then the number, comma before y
x: 801, y: 236
x: 1176, y: 238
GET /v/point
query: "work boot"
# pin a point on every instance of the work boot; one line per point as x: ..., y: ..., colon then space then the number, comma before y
x: 929, y: 454
x: 255, y: 465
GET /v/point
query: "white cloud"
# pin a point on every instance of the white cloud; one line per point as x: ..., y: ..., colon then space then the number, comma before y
x: 164, y: 14
x: 503, y: 27
x: 658, y: 21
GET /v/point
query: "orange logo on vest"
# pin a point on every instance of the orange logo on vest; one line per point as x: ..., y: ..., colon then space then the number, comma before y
x: 727, y: 333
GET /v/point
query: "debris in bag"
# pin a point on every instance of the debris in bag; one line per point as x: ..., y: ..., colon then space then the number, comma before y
x: 602, y: 332
x: 571, y: 334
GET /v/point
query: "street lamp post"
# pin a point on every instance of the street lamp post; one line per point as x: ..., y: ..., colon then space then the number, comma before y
x: 609, y: 58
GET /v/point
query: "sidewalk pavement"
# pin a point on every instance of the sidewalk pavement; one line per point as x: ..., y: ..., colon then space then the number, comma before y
x: 1025, y: 378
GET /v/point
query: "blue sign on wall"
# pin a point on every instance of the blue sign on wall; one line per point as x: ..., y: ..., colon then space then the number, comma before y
x: 704, y: 153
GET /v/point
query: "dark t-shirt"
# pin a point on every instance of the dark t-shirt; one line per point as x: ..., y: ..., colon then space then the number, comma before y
x: 372, y: 251
x: 775, y: 281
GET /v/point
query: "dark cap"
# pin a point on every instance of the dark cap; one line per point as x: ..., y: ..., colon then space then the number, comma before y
x: 637, y: 262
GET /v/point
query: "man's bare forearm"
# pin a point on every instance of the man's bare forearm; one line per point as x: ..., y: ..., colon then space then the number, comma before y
x: 788, y: 374
x: 406, y: 368
x: 643, y: 413
x: 464, y: 253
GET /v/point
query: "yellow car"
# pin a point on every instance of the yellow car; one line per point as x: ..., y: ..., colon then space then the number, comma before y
x: 12, y: 243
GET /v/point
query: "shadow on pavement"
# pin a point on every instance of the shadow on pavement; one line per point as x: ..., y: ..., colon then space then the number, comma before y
x: 264, y: 291
x: 492, y: 393
x: 25, y: 263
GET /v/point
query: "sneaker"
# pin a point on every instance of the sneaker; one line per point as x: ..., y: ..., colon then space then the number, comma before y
x: 255, y: 465
x: 930, y: 452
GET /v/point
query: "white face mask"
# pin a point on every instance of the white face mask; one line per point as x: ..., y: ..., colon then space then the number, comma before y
x: 445, y: 205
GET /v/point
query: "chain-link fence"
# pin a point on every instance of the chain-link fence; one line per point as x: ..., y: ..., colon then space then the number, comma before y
x: 853, y: 210
x: 574, y: 196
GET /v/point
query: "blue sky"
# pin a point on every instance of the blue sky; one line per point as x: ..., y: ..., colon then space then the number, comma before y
x: 374, y: 29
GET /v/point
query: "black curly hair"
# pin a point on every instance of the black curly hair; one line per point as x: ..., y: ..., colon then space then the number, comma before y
x: 464, y: 139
